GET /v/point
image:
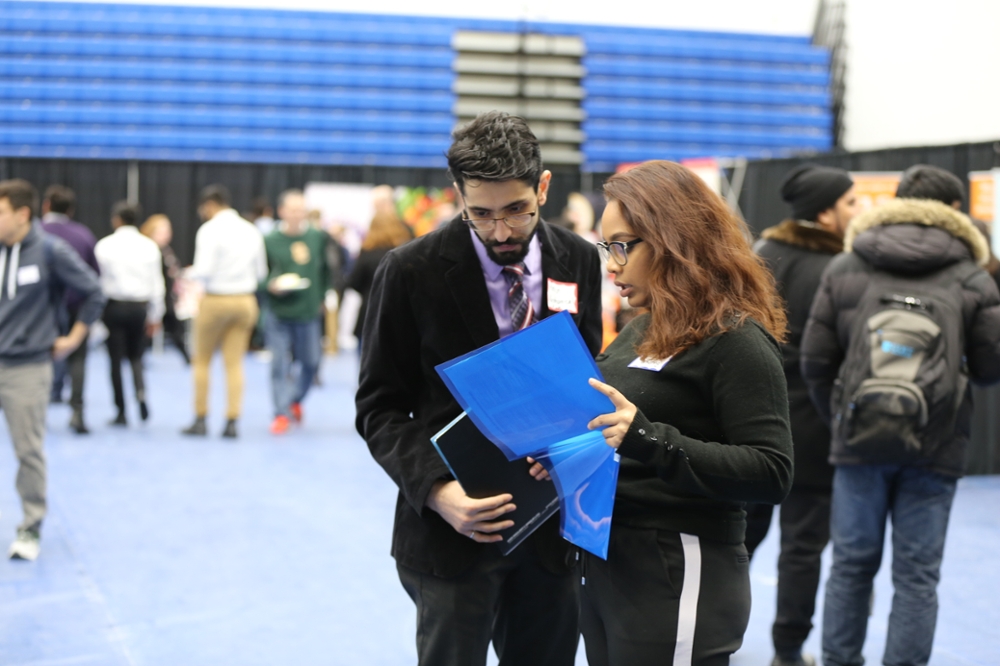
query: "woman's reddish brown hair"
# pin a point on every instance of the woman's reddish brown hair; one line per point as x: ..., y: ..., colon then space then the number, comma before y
x: 386, y: 230
x: 705, y: 277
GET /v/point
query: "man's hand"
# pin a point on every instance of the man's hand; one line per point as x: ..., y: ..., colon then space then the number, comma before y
x: 274, y: 288
x: 537, y: 471
x: 473, y: 518
x: 65, y: 345
x: 152, y: 327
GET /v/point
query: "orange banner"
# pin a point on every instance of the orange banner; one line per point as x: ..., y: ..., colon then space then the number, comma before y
x: 875, y: 187
x: 981, y: 192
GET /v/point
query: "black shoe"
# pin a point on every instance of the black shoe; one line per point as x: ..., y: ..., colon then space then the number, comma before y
x: 197, y: 428
x: 143, y: 411
x: 230, y: 431
x: 798, y: 659
x: 76, y: 423
x: 119, y: 420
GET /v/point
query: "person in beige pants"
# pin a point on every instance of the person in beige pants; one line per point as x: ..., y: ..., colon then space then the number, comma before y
x: 229, y: 259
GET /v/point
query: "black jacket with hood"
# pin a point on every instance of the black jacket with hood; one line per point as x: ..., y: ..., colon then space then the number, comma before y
x: 797, y: 253
x: 904, y: 237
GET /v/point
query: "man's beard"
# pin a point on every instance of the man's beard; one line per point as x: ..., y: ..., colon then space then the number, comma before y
x: 509, y: 258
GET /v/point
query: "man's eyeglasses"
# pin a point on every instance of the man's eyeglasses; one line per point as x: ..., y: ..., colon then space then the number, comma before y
x: 489, y: 223
x: 616, y: 249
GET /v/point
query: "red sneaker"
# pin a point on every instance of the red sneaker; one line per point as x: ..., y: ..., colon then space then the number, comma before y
x: 296, y: 410
x: 280, y: 425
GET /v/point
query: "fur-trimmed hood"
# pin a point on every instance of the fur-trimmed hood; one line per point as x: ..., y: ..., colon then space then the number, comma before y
x: 876, y: 234
x: 793, y: 232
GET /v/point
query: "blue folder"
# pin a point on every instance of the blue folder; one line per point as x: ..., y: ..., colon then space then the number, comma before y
x: 529, y: 394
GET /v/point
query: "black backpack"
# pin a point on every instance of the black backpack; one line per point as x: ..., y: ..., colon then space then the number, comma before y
x: 904, y: 378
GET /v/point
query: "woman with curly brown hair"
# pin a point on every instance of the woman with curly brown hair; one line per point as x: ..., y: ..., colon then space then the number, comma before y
x: 701, y: 424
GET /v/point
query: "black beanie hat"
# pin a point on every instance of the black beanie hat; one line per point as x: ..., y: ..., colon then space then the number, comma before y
x: 811, y: 189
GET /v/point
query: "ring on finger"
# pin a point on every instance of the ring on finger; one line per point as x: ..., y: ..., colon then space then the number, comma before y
x: 472, y: 534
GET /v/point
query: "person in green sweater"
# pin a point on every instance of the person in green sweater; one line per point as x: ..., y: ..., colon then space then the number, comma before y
x: 700, y: 422
x: 296, y: 285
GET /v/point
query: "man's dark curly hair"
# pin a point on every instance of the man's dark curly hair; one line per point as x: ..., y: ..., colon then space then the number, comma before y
x: 496, y: 146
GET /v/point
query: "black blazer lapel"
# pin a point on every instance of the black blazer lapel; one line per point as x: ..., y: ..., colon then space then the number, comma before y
x: 555, y: 264
x: 467, y: 284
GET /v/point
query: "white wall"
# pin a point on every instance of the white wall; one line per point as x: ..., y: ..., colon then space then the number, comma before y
x: 922, y: 73
x: 783, y: 17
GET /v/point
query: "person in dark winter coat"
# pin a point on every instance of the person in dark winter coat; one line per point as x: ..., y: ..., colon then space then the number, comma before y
x: 911, y: 239
x: 797, y: 251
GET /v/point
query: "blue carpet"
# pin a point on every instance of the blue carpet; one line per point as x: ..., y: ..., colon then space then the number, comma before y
x: 163, y: 550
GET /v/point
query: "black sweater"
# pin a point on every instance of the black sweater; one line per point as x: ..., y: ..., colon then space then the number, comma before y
x: 711, y: 433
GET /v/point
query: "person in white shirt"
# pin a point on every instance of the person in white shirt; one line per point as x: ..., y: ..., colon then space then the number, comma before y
x: 230, y: 261
x: 132, y: 281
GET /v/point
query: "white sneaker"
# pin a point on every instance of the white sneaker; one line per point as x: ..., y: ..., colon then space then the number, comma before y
x: 25, y: 546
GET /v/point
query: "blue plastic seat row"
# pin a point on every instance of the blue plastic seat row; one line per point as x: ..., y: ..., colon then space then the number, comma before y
x: 210, y: 116
x: 617, y: 153
x: 247, y: 51
x: 295, y: 31
x: 727, y: 50
x: 223, y: 72
x: 602, y: 86
x: 634, y: 131
x: 617, y: 109
x: 144, y: 137
x: 635, y: 66
x: 212, y: 155
x: 226, y: 95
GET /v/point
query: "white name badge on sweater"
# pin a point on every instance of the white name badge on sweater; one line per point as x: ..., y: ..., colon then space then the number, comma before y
x: 654, y: 364
x: 28, y: 275
x: 563, y: 296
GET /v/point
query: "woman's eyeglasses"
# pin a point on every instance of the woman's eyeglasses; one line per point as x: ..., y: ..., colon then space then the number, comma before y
x: 616, y: 249
x: 489, y: 223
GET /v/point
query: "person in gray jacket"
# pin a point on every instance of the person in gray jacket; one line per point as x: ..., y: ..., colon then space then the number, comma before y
x: 35, y: 270
x: 907, y: 253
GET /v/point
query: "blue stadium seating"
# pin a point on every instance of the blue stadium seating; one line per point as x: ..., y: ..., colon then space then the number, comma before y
x: 120, y: 81
x: 391, y: 122
x: 709, y: 71
x: 231, y: 51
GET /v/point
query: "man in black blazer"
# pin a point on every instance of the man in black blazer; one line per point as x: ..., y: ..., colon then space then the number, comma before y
x: 436, y: 298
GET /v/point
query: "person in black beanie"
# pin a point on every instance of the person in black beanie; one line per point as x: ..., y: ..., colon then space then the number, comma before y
x: 797, y: 251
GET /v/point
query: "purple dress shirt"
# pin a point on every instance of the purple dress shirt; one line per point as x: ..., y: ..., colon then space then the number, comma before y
x: 496, y: 283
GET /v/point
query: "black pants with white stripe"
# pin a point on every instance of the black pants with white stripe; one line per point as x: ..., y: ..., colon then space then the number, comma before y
x: 664, y: 598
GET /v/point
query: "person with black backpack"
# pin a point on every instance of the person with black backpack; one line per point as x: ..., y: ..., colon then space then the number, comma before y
x: 902, y: 322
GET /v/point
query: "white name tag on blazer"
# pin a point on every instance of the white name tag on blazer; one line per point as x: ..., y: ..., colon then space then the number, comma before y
x: 563, y: 296
x: 28, y: 275
x: 654, y: 364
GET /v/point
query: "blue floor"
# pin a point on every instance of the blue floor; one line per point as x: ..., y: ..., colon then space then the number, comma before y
x: 162, y: 550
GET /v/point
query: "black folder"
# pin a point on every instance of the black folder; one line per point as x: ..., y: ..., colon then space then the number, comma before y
x: 484, y: 471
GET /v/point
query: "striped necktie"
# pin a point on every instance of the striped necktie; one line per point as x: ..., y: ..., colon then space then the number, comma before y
x: 522, y: 313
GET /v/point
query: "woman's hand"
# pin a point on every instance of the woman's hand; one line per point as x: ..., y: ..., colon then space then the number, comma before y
x: 619, y: 421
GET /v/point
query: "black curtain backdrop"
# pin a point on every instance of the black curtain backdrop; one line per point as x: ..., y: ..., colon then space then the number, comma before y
x: 172, y: 188
x: 762, y: 205
x: 98, y: 184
